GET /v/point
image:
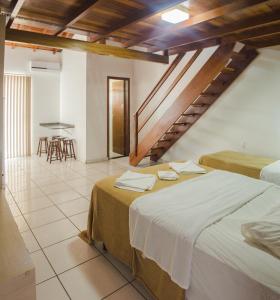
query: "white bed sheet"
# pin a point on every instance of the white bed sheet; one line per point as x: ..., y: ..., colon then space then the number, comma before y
x: 225, y: 267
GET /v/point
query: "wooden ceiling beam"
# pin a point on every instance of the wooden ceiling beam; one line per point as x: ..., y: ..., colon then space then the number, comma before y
x: 263, y: 31
x: 16, y: 5
x: 269, y: 41
x: 220, y: 32
x: 77, y: 15
x: 60, y: 42
x: 140, y: 16
x: 195, y: 20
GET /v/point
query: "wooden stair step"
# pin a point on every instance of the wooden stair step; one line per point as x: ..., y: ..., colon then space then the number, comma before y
x: 172, y: 132
x: 200, y: 105
x: 228, y: 70
x: 182, y: 123
x: 219, y: 82
x: 209, y: 94
x: 190, y: 114
x: 164, y: 141
x: 157, y: 148
x: 238, y: 55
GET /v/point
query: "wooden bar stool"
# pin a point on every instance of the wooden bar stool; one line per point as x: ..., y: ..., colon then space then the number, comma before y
x: 42, y: 146
x: 68, y: 149
x: 54, y: 151
x: 61, y: 139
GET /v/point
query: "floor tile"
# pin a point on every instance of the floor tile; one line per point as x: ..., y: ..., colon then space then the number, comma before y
x: 21, y: 186
x: 55, y: 188
x: 84, y: 190
x: 51, y: 290
x: 14, y: 209
x: 30, y: 241
x: 34, y: 204
x: 79, y: 182
x: 69, y: 253
x: 33, y: 193
x: 74, y: 207
x: 43, y: 270
x: 92, y: 280
x: 80, y: 220
x: 51, y: 179
x: 61, y: 197
x: 55, y: 232
x: 128, y: 292
x: 43, y: 216
x: 22, y: 225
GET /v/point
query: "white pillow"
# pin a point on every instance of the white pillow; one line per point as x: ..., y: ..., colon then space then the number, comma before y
x: 264, y: 233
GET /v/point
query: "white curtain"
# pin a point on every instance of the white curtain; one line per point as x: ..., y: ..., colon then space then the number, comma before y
x: 17, y: 108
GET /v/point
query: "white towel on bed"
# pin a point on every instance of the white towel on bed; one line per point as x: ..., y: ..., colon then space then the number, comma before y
x: 187, y: 167
x: 271, y: 173
x: 136, y: 181
x: 167, y: 175
x: 165, y: 225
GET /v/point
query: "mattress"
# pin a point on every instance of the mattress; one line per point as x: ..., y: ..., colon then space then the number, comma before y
x: 237, y: 162
x: 224, y: 266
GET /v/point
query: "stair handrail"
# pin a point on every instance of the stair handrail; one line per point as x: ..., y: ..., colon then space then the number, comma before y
x: 162, y: 80
x: 171, y: 87
x: 149, y: 98
x: 174, y: 64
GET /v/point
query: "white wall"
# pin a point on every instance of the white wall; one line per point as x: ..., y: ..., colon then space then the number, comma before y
x: 45, y: 104
x: 245, y: 118
x: 98, y: 68
x: 2, y: 45
x: 45, y: 87
x: 73, y: 86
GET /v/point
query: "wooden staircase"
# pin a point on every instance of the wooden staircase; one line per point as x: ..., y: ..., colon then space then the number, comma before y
x: 216, y: 75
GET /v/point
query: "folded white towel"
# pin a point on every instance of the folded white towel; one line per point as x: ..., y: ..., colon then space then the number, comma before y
x: 187, y: 167
x: 167, y: 175
x: 136, y: 181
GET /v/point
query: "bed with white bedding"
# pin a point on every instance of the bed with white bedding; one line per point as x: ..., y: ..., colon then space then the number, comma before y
x: 259, y: 167
x: 206, y: 213
x: 223, y: 265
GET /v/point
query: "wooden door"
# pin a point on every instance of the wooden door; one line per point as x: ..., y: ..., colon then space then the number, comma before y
x: 118, y: 116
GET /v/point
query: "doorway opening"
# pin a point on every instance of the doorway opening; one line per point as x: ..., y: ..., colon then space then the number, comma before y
x: 118, y: 117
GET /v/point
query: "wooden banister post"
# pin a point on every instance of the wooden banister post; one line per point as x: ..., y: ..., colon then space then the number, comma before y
x: 136, y: 133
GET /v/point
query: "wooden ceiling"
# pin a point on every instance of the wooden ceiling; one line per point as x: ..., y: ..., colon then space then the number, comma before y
x: 131, y: 23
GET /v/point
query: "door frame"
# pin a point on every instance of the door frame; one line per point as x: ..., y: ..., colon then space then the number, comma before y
x: 126, y: 117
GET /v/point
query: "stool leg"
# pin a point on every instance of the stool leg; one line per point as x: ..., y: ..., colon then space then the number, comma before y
x: 39, y: 147
x: 72, y: 145
x: 59, y: 150
x: 49, y: 151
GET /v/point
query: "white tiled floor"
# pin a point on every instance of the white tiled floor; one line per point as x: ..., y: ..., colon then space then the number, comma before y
x: 50, y: 206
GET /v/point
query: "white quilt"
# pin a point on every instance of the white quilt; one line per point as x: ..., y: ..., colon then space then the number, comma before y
x: 271, y: 173
x: 166, y: 224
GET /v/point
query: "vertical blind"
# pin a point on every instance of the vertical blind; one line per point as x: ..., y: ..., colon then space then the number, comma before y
x: 17, y: 108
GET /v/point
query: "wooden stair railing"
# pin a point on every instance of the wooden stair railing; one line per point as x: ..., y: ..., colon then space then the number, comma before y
x: 140, y: 124
x: 160, y: 83
x: 221, y: 69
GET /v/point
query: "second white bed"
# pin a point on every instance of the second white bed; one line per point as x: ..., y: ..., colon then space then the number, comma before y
x: 224, y: 266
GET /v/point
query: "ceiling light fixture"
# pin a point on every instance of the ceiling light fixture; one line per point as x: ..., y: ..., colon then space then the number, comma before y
x: 175, y: 16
